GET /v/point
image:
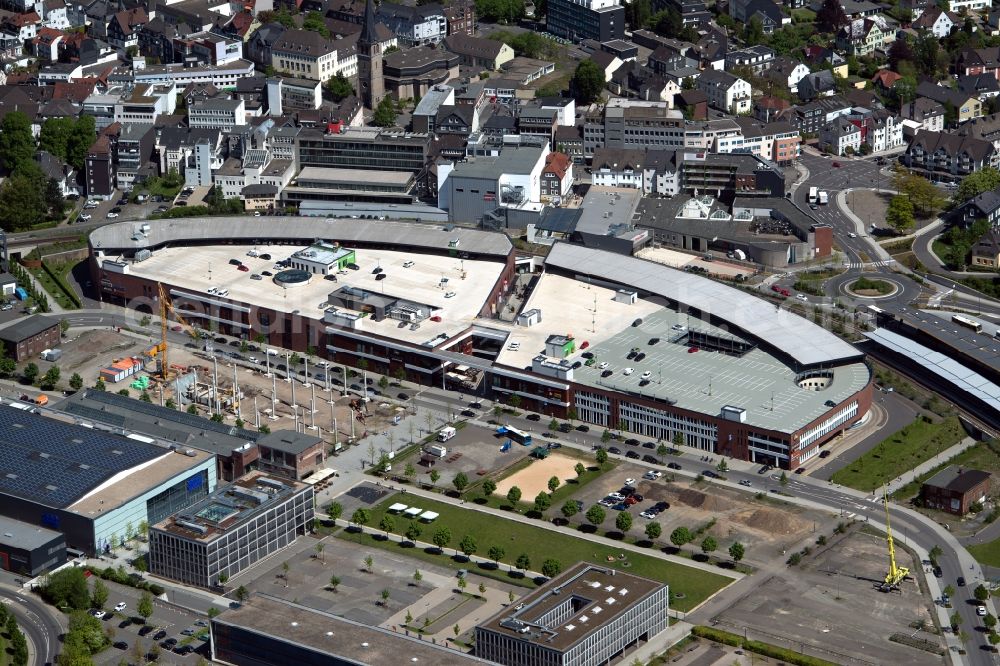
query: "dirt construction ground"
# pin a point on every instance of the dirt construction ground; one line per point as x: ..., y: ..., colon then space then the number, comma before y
x: 534, y: 479
x: 827, y: 606
x: 473, y: 450
x: 766, y: 526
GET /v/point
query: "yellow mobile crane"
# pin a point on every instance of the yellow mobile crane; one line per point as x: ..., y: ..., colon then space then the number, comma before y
x: 896, y: 573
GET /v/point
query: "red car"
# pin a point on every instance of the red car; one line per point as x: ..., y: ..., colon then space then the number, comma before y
x: 436, y: 318
x: 584, y: 345
x: 836, y: 165
x: 692, y: 350
x: 243, y: 268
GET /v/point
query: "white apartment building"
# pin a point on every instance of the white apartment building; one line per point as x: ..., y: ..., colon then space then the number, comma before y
x: 144, y: 103
x: 725, y: 91
x: 217, y: 113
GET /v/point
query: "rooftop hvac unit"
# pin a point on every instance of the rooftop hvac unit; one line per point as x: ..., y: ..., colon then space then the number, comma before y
x: 271, y: 483
x: 248, y: 494
x: 194, y: 527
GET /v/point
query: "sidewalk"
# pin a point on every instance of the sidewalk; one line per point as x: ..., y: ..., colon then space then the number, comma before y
x: 859, y: 226
x: 927, y: 466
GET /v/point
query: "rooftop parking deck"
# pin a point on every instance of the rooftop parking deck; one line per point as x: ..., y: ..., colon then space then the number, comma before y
x: 197, y: 268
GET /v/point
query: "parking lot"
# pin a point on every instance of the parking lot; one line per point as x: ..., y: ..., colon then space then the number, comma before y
x: 167, y: 626
x: 827, y: 606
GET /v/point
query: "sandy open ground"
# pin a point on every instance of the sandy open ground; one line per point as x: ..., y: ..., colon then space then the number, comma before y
x: 534, y: 479
x: 676, y: 259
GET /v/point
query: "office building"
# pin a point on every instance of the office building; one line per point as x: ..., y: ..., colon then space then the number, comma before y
x: 577, y: 20
x: 231, y: 529
x: 362, y: 148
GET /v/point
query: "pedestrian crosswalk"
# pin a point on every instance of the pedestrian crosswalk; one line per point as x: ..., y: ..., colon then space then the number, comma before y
x: 870, y: 264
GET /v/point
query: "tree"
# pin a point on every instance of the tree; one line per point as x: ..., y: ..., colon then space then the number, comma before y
x: 553, y: 484
x: 976, y: 183
x: 334, y: 510
x: 737, y: 551
x: 500, y: 11
x: 899, y: 214
x: 605, y: 438
x: 783, y: 479
x: 242, y: 594
x: 442, y: 538
x: 462, y: 583
x: 284, y: 572
x: 514, y: 495
x: 468, y: 545
x: 334, y: 582
x: 145, y: 606
x: 623, y: 521
x: 601, y: 457
x: 722, y: 467
x: 981, y: 593
x: 708, y: 545
x: 461, y: 481
x: 831, y: 16
x: 67, y: 587
x: 569, y: 509
x: 551, y: 567
x: 489, y: 487
x: 385, y: 114
x: 900, y: 52
x: 361, y: 517
x: 542, y: 502
x: 417, y: 577
x: 515, y: 401
x: 17, y: 142
x: 76, y: 382
x: 369, y: 563
x: 990, y: 621
x: 681, y: 536
x: 955, y: 619
x: 387, y: 524
x: 523, y: 562
x: 435, y: 476
x: 496, y: 553
x: 653, y: 531
x: 314, y: 22
x: 579, y: 469
x: 753, y: 32
x: 99, y: 596
x: 587, y: 82
x: 554, y: 424
x: 409, y: 471
x: 30, y: 373
x: 595, y: 515
x: 88, y: 630
x: 385, y: 594
x: 413, y: 531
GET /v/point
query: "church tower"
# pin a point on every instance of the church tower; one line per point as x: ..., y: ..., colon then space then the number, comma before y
x: 371, y: 87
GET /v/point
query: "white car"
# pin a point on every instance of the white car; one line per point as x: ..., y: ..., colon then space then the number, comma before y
x: 652, y: 475
x: 647, y: 374
x: 852, y: 235
x: 618, y: 497
x: 981, y: 611
x: 514, y: 346
x: 628, y: 371
x: 273, y: 352
x: 253, y: 359
x: 407, y: 264
x: 746, y: 483
x: 83, y: 217
x: 121, y: 607
x: 649, y: 514
x: 630, y: 483
x: 111, y: 216
x: 801, y: 297
x: 450, y: 294
x: 602, y: 365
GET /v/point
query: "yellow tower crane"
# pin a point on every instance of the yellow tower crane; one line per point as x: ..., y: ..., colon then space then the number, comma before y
x: 167, y: 307
x: 897, y: 574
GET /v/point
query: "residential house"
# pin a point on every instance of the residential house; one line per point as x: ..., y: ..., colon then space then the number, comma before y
x: 968, y: 6
x: 725, y: 92
x: 487, y: 54
x: 885, y: 80
x: 755, y: 58
x: 841, y: 137
x: 124, y: 28
x: 983, y: 206
x: 47, y: 43
x: 259, y: 47
x: 916, y: 8
x: 456, y: 120
x: 54, y: 15
x: 623, y: 167
x: 816, y: 84
x: 55, y: 169
x: 978, y: 61
x: 635, y: 81
x: 606, y: 62
x: 766, y: 12
x: 809, y: 118
x: 964, y: 107
x: 823, y: 57
x: 767, y: 109
x: 557, y: 177
x: 927, y: 112
x: 414, y: 26
x: 986, y: 252
x: 461, y: 18
x: 863, y: 36
x: 778, y: 142
x: 980, y: 86
x: 538, y: 122
x: 693, y: 103
x: 938, y: 21
x: 787, y: 72
x: 942, y: 156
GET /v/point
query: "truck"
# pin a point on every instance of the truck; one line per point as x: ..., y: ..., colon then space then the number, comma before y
x: 437, y: 450
x: 446, y: 433
x: 824, y: 198
x: 813, y: 195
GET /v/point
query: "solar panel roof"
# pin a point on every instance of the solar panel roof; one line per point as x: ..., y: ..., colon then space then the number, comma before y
x: 802, y: 340
x: 55, y: 463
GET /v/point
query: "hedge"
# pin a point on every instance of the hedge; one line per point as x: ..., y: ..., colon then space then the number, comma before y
x: 766, y: 649
x: 62, y: 284
x: 132, y: 580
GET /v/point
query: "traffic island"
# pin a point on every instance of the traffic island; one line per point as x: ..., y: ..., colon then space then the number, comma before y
x: 865, y: 287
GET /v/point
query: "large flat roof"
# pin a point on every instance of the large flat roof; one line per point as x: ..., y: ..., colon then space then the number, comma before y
x: 598, y: 597
x: 805, y: 342
x: 24, y: 535
x: 54, y: 463
x: 335, y: 636
x: 128, y: 236
x: 192, y: 270
x: 374, y: 177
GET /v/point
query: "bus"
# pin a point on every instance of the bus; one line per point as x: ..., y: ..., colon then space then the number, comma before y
x: 813, y: 195
x: 967, y: 323
x: 515, y: 435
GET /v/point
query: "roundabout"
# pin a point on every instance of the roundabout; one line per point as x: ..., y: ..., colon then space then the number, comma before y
x: 871, y: 288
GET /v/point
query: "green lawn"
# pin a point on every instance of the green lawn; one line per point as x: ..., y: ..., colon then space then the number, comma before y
x: 987, y: 553
x: 540, y: 544
x: 984, y: 456
x: 899, y: 453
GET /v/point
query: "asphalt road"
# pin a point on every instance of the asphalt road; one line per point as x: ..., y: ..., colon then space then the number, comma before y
x: 40, y: 623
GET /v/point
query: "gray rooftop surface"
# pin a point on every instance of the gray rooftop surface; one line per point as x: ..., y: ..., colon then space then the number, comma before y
x: 375, y: 177
x: 511, y: 160
x: 114, y: 238
x: 804, y: 341
x: 948, y: 369
x: 288, y: 441
x: 604, y: 207
x: 23, y: 535
x: 329, y: 635
x: 707, y: 381
x: 25, y: 328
